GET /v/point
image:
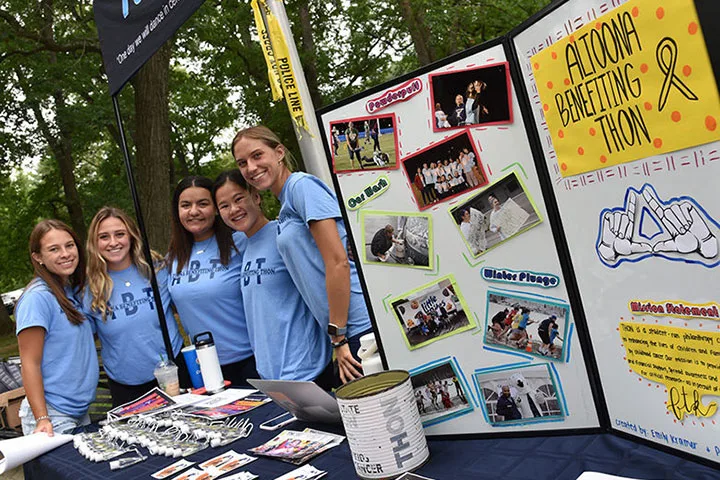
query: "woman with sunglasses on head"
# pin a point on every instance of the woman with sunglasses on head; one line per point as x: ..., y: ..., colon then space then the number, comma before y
x: 57, y: 351
x: 289, y: 344
x: 121, y: 304
x: 205, y: 261
x: 312, y: 241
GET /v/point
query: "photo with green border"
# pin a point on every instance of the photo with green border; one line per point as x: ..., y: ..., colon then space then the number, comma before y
x: 495, y: 214
x: 399, y: 239
x: 432, y: 312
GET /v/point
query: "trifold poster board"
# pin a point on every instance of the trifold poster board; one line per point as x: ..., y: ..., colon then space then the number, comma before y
x: 535, y: 222
x: 640, y: 214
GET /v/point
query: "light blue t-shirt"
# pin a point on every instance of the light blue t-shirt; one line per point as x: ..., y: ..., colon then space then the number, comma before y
x: 69, y: 362
x: 130, y: 335
x: 288, y: 343
x: 305, y: 198
x: 207, y: 297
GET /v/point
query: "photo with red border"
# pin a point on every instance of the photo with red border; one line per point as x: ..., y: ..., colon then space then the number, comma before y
x: 364, y: 143
x: 444, y: 170
x: 478, y: 96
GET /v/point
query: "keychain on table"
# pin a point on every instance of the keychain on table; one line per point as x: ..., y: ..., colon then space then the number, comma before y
x: 127, y: 461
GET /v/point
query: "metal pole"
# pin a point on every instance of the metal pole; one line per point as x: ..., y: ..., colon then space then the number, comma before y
x: 311, y: 146
x: 141, y: 224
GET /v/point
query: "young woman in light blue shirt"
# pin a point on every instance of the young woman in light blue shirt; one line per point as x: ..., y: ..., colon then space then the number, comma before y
x: 57, y: 351
x: 121, y: 305
x: 312, y: 240
x: 289, y: 344
x: 205, y: 262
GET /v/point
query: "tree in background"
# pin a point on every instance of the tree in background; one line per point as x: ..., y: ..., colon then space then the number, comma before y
x: 183, y: 107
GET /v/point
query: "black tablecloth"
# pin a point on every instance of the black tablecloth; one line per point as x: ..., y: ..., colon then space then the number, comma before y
x: 536, y: 458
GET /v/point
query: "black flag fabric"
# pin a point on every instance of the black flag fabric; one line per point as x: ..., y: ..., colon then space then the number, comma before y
x: 131, y: 31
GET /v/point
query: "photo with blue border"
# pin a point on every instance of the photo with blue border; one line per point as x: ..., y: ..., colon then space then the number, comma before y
x: 528, y: 323
x: 441, y: 391
x: 526, y: 394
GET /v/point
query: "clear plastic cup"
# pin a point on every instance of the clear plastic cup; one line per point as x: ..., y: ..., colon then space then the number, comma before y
x: 166, y: 373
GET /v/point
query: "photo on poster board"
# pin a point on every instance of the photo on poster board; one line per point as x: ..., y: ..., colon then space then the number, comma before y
x: 432, y: 312
x: 364, y: 143
x: 475, y: 96
x: 496, y: 214
x: 397, y: 238
x: 444, y: 170
x: 440, y: 393
x: 536, y: 325
x: 520, y: 395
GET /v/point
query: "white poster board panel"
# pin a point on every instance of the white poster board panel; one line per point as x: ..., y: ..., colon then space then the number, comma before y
x: 502, y: 149
x: 611, y: 279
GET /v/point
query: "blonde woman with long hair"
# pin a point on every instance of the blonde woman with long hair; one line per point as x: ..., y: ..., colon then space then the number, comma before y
x: 59, y: 362
x: 120, y: 302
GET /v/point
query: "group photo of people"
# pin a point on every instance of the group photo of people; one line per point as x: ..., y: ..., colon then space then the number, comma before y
x: 397, y: 239
x: 223, y: 271
x: 444, y: 170
x: 439, y: 393
x: 534, y: 326
x: 477, y: 96
x: 364, y: 143
x: 520, y: 395
x: 497, y: 213
x: 431, y: 312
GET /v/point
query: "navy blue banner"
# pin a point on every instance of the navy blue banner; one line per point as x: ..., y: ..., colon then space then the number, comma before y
x: 131, y: 31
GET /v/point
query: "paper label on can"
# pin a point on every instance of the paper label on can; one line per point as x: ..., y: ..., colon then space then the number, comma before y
x: 384, y: 432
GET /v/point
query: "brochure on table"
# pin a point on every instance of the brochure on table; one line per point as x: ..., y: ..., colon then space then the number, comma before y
x: 481, y: 270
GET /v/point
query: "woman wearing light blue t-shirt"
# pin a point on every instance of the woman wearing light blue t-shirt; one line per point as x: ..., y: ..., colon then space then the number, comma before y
x: 289, y: 344
x: 312, y: 241
x: 57, y: 351
x: 121, y: 305
x: 205, y: 262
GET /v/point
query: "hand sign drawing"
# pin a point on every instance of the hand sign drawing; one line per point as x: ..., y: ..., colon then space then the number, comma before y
x: 688, y: 232
x: 618, y: 229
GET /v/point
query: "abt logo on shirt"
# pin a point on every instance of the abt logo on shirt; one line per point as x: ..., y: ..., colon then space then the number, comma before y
x: 130, y: 306
x: 250, y: 274
x: 195, y: 273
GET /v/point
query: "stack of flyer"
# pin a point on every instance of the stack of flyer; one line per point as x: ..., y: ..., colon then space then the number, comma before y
x: 298, y: 447
x: 209, y: 469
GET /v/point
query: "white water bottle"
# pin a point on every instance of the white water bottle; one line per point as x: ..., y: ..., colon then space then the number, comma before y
x: 209, y: 364
x: 371, y: 361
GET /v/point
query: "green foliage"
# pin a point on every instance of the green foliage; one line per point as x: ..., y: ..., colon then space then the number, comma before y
x: 53, y: 89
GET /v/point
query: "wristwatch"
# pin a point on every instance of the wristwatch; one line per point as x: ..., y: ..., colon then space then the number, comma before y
x: 336, y: 331
x: 340, y: 343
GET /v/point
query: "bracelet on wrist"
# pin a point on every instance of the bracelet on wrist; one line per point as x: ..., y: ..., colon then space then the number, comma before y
x: 339, y: 344
x: 42, y: 417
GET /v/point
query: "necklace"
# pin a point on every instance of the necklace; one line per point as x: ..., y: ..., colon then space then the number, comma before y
x: 202, y: 246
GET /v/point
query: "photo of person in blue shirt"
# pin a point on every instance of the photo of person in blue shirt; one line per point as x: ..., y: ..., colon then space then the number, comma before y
x: 312, y: 240
x: 57, y: 351
x: 288, y: 343
x: 119, y: 301
x: 205, y: 265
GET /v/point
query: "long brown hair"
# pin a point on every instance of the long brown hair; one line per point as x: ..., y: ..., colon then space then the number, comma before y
x: 99, y: 282
x: 53, y: 281
x: 181, y: 241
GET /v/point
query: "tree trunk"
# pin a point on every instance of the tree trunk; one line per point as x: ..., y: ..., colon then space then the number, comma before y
x: 308, y: 53
x: 152, y: 144
x: 419, y: 31
x: 60, y: 145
